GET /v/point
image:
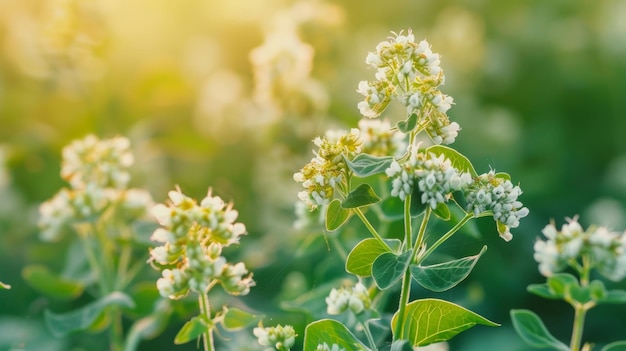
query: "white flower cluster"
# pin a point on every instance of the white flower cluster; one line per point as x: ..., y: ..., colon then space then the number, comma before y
x: 279, y: 337
x: 103, y: 163
x: 327, y: 169
x: 605, y: 249
x: 410, y: 73
x: 97, y: 171
x: 193, y: 235
x: 379, y: 139
x: 325, y: 347
x: 498, y: 195
x: 356, y: 299
x: 435, y: 176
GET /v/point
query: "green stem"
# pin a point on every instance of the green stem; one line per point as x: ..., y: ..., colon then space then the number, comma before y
x: 371, y: 228
x: 445, y: 237
x: 405, y: 291
x: 408, y: 231
x: 205, y: 310
x: 580, y: 310
x: 577, y: 329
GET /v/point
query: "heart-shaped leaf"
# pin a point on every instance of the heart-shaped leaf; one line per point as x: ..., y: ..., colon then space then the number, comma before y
x: 429, y: 321
x: 361, y: 196
x: 530, y: 328
x: 388, y: 268
x: 336, y: 216
x: 443, y: 276
x: 86, y: 316
x: 409, y: 124
x: 192, y: 329
x: 364, y: 165
x: 362, y: 256
x: 330, y: 332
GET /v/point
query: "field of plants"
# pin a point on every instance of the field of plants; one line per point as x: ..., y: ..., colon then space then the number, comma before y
x: 302, y: 175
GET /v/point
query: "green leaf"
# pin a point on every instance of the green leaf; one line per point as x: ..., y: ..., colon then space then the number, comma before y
x: 615, y: 346
x: 431, y: 320
x: 336, y: 216
x: 542, y: 290
x: 330, y: 332
x: 148, y: 327
x: 45, y: 282
x: 236, y: 319
x: 458, y: 160
x: 442, y: 211
x: 409, y: 124
x: 4, y: 286
x: 530, y: 328
x: 388, y: 268
x: 560, y: 284
x: 443, y: 276
x: 192, y: 330
x: 362, y: 256
x: 417, y: 206
x: 503, y: 175
x: 364, y: 165
x: 361, y: 196
x: 86, y: 316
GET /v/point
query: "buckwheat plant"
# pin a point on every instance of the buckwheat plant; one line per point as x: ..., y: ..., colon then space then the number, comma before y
x: 581, y: 252
x: 106, y: 254
x: 190, y: 259
x: 382, y: 173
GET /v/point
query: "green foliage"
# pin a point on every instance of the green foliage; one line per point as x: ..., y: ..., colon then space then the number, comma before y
x: 432, y: 320
x: 365, y: 165
x: 409, y: 124
x: 565, y: 286
x: 388, y: 268
x: 330, y: 332
x: 530, y: 327
x: 336, y: 215
x: 86, y: 316
x: 458, y: 160
x: 443, y: 276
x: 363, y: 255
x: 41, y: 279
x: 235, y: 318
x: 363, y: 195
x: 192, y: 329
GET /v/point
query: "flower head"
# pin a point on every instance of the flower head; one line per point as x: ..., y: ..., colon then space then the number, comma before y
x: 191, y: 239
x: 490, y: 192
x: 279, y: 337
x: 605, y: 250
x: 356, y: 299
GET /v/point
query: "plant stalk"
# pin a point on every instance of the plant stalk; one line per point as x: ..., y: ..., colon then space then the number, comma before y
x: 371, y: 228
x: 205, y: 310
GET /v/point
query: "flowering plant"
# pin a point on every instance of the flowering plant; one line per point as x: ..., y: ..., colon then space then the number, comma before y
x: 582, y: 251
x: 104, y: 260
x: 350, y: 175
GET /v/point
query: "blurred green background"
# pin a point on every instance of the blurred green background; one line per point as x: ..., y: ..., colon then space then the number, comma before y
x: 229, y: 94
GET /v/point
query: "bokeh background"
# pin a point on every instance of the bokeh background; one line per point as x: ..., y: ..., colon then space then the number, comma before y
x: 229, y: 94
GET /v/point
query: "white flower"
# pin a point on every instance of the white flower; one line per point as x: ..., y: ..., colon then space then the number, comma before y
x: 280, y: 337
x: 356, y: 299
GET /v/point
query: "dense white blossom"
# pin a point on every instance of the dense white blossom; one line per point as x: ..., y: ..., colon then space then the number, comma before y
x: 279, y: 337
x: 356, y: 299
